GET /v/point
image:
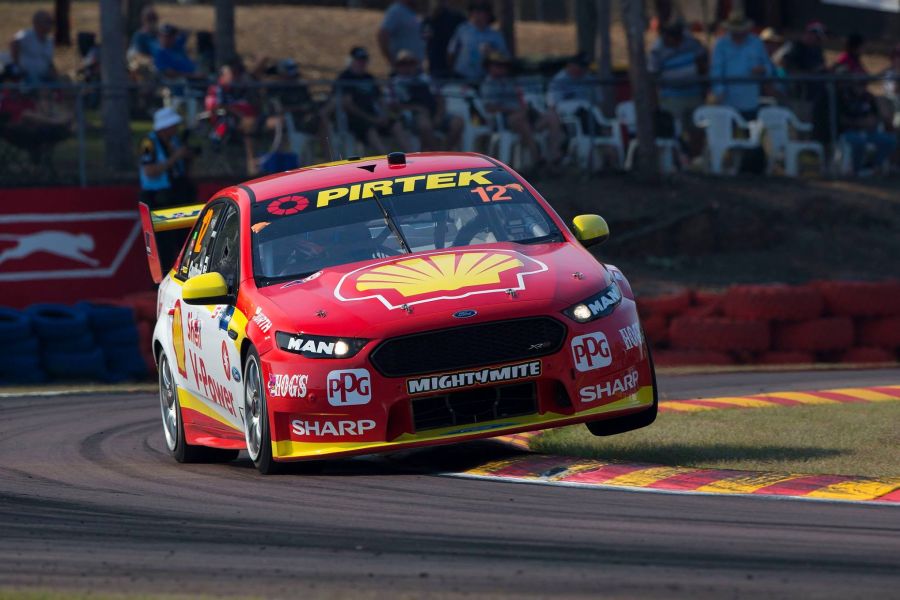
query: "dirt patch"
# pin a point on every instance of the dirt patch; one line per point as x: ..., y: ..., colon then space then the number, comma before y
x: 709, y: 233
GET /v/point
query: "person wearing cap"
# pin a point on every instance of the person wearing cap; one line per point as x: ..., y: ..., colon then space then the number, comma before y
x: 170, y: 57
x: 32, y: 49
x: 358, y: 94
x: 165, y: 162
x: 423, y: 109
x: 503, y: 97
x: 739, y: 54
x: 675, y: 58
x: 473, y: 41
x: 401, y: 29
x: 292, y: 97
x: 804, y: 56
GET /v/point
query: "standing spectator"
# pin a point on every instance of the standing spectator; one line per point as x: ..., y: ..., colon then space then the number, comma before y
x: 849, y: 61
x: 805, y: 57
x: 401, y: 29
x: 146, y: 39
x: 504, y: 98
x: 170, y: 57
x: 361, y: 100
x: 575, y: 82
x: 859, y: 120
x: 675, y: 58
x: 165, y: 163
x: 438, y: 29
x: 413, y: 93
x: 32, y: 49
x: 739, y: 54
x: 473, y: 41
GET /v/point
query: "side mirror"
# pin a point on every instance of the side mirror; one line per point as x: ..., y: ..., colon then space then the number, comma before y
x: 590, y: 229
x: 209, y: 288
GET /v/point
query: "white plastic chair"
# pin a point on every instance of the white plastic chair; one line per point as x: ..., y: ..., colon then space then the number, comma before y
x: 301, y: 143
x: 668, y: 147
x: 581, y: 143
x: 459, y: 102
x: 777, y: 122
x: 719, y: 122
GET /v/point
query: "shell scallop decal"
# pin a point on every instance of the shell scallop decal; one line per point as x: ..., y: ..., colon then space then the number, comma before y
x: 438, y: 276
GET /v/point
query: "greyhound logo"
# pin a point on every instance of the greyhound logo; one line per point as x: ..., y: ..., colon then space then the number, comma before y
x: 74, y: 246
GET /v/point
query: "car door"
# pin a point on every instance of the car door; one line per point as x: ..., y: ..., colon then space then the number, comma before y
x: 219, y: 358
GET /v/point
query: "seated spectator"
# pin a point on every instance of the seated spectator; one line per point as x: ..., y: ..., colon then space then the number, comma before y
x: 165, y: 163
x: 850, y: 60
x: 438, y: 28
x: 575, y: 82
x: 361, y: 99
x: 413, y: 93
x: 675, y: 58
x: 503, y: 97
x: 473, y: 41
x: 739, y: 54
x: 32, y: 122
x: 170, y: 57
x: 146, y: 39
x: 401, y: 29
x: 859, y: 121
x: 32, y: 49
x: 291, y: 96
x: 235, y: 107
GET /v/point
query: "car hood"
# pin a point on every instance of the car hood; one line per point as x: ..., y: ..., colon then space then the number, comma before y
x: 437, y: 289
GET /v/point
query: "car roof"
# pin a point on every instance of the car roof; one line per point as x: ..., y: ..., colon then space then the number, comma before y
x: 357, y: 170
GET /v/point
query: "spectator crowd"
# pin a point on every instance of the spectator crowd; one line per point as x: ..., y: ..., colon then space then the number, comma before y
x: 452, y: 79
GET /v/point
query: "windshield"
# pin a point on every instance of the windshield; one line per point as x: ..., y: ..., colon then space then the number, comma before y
x: 298, y: 234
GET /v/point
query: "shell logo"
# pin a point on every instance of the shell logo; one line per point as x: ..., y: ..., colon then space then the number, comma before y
x: 438, y: 276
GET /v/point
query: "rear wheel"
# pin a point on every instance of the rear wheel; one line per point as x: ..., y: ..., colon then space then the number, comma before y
x: 173, y: 426
x: 256, y: 415
x: 632, y: 421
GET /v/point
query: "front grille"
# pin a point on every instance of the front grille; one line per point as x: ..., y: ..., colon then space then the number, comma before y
x: 474, y: 406
x: 469, y: 346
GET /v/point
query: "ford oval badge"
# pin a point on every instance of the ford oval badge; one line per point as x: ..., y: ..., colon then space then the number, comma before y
x: 465, y: 314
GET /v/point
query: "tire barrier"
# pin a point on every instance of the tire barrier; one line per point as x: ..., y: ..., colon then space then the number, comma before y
x: 823, y: 321
x: 97, y: 341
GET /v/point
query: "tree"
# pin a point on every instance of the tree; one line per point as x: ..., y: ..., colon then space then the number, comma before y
x: 604, y: 54
x: 225, y: 46
x: 508, y: 24
x: 644, y: 101
x: 116, y: 126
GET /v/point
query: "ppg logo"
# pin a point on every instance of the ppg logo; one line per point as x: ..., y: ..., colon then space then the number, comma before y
x: 591, y: 351
x: 345, y: 388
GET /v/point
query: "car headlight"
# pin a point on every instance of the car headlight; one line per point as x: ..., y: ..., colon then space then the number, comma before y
x: 319, y: 346
x: 599, y: 305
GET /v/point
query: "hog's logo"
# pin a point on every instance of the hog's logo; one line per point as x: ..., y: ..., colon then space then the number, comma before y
x: 438, y: 276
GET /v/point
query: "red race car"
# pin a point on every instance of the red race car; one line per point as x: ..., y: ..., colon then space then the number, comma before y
x: 378, y: 304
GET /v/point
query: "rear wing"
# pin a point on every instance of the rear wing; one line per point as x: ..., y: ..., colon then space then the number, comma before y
x: 164, y: 219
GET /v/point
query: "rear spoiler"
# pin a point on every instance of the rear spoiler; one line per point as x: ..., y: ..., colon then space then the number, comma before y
x: 164, y: 219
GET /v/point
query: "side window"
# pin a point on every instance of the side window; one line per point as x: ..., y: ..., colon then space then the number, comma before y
x: 196, y: 255
x: 224, y: 258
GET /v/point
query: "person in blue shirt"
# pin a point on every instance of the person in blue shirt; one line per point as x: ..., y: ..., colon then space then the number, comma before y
x: 401, y: 29
x: 473, y: 41
x: 146, y: 39
x: 170, y: 58
x: 575, y: 82
x: 739, y: 54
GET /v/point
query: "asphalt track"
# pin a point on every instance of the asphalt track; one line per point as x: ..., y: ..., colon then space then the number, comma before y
x: 89, y: 499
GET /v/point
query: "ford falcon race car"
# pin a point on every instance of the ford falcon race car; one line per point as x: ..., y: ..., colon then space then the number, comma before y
x: 377, y: 304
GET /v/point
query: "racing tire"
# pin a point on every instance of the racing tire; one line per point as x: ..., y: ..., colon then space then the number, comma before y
x: 173, y: 425
x: 57, y: 321
x: 256, y: 417
x: 14, y: 324
x: 632, y: 421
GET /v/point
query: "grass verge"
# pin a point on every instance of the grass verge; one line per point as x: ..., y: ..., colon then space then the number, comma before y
x: 850, y: 439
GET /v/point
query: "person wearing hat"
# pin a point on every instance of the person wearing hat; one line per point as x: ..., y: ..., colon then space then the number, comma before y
x: 165, y: 162
x: 473, y: 40
x: 421, y: 106
x: 739, y: 54
x: 357, y: 92
x: 675, y: 58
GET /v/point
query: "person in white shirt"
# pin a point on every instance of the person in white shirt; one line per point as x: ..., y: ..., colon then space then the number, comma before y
x: 32, y: 49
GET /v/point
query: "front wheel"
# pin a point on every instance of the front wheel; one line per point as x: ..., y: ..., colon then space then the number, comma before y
x: 633, y: 421
x: 173, y: 426
x: 256, y: 427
